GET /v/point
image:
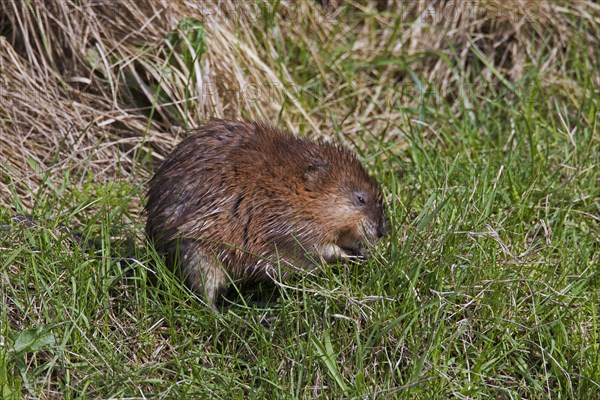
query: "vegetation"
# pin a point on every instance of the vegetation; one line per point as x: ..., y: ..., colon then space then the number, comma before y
x: 480, y: 120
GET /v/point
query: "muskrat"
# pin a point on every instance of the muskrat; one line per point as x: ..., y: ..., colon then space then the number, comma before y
x: 240, y: 201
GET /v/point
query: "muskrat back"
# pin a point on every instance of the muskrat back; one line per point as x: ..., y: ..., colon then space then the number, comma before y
x: 245, y: 201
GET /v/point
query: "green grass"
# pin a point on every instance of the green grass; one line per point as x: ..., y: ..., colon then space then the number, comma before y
x: 487, y: 287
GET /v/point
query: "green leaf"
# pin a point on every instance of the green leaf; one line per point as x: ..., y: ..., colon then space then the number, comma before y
x: 34, y: 339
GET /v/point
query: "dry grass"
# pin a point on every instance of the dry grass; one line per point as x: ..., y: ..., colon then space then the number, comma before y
x: 79, y: 79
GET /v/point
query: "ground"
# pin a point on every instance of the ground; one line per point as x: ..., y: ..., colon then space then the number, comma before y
x: 479, y: 120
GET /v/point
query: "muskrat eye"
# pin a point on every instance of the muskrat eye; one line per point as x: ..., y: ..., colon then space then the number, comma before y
x: 361, y: 198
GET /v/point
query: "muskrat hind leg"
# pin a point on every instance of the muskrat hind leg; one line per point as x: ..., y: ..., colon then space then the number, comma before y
x: 202, y: 273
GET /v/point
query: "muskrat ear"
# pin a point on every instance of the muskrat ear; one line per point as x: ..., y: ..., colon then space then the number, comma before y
x: 316, y: 171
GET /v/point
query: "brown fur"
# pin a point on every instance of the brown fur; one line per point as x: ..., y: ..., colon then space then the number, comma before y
x: 244, y: 201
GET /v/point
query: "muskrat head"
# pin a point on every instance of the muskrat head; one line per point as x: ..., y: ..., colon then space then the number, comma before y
x: 359, y: 222
x: 365, y: 222
x: 354, y: 217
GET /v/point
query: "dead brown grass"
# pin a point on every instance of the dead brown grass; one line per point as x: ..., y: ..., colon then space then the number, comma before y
x: 79, y: 79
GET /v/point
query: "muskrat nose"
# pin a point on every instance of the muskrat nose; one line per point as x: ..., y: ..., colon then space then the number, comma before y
x: 382, y: 228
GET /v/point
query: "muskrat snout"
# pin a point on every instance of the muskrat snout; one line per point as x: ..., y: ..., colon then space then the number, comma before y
x: 383, y: 228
